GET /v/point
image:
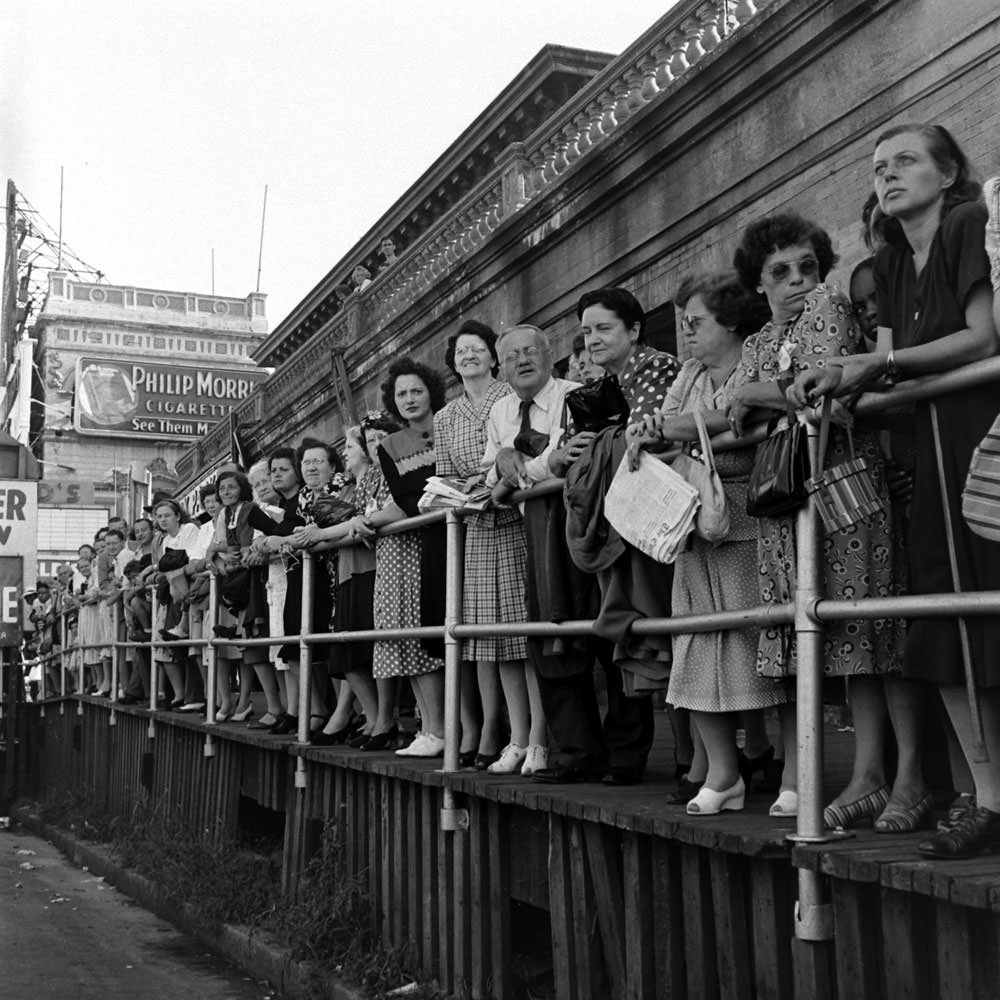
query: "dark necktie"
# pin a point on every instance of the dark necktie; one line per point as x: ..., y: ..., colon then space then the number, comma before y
x: 529, y: 442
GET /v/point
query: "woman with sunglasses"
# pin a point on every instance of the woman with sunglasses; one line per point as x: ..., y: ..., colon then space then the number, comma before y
x: 786, y: 259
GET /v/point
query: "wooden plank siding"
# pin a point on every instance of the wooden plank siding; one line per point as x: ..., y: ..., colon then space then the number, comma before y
x: 641, y: 901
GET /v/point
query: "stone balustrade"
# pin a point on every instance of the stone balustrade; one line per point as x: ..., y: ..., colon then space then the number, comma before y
x: 644, y: 73
x: 458, y: 234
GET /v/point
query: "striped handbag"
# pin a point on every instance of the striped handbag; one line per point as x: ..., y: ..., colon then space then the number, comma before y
x: 981, y: 496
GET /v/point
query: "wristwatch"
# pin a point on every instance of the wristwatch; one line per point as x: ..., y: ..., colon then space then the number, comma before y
x: 891, y: 371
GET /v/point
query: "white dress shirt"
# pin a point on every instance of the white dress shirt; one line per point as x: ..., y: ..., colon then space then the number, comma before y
x: 545, y: 416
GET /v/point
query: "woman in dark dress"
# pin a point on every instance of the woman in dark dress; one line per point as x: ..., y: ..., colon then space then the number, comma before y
x: 935, y: 314
x: 321, y: 472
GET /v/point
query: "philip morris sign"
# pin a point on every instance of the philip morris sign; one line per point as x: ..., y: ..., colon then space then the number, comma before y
x: 125, y: 399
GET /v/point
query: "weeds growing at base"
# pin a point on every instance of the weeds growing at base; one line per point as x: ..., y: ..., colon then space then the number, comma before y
x: 330, y: 925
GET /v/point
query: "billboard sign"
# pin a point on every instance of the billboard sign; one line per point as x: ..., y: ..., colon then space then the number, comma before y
x: 18, y: 541
x: 11, y: 612
x: 129, y: 399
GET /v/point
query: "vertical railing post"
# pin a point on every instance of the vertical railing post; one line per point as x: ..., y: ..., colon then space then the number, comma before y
x: 453, y: 819
x: 813, y: 915
x: 63, y: 642
x: 82, y: 670
x: 305, y: 663
x: 209, y: 621
x: 154, y: 679
x: 116, y: 624
x: 454, y: 564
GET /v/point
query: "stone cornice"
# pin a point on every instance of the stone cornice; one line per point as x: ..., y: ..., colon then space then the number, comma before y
x: 541, y: 86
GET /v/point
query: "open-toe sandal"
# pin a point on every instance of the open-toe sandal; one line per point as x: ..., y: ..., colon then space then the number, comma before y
x: 860, y: 812
x: 906, y: 819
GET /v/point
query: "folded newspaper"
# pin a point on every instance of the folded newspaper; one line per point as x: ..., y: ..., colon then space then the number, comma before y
x: 451, y: 491
x: 652, y: 508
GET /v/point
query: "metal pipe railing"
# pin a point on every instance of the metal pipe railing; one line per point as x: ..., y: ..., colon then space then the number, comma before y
x: 809, y: 611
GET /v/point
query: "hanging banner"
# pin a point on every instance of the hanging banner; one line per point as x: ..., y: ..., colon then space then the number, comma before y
x: 126, y: 399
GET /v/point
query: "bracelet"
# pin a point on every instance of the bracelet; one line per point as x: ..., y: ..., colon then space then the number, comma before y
x: 891, y: 371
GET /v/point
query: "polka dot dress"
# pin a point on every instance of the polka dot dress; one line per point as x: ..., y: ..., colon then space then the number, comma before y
x: 397, y: 601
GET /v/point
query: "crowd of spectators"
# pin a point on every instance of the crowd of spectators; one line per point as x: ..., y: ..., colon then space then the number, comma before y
x: 768, y: 336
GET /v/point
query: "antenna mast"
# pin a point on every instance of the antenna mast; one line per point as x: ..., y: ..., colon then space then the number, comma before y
x: 260, y: 254
x: 59, y: 257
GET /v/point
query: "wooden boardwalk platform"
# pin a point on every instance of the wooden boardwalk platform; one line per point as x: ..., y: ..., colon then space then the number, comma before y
x: 619, y: 890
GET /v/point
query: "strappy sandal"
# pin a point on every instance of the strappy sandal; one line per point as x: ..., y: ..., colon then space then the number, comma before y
x: 906, y: 819
x: 857, y: 813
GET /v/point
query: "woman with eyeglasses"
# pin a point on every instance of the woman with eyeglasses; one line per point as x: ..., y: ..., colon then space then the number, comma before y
x: 786, y: 258
x: 714, y: 674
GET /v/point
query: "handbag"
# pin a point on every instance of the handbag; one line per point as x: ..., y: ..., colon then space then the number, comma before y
x: 845, y: 495
x: 234, y: 589
x: 712, y: 520
x: 780, y: 469
x: 328, y: 511
x: 981, y: 496
x: 598, y: 405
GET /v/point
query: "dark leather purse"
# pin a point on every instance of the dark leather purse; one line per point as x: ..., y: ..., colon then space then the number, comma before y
x: 598, y: 405
x: 328, y: 511
x: 234, y: 589
x: 780, y: 470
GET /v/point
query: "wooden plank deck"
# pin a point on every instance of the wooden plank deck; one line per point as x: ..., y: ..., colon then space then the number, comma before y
x: 642, y: 900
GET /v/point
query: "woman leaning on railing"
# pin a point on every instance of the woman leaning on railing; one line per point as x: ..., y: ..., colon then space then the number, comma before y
x: 936, y: 313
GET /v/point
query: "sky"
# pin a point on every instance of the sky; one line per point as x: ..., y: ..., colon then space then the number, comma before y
x: 170, y: 118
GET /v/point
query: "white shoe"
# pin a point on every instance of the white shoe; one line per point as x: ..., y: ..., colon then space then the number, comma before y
x: 425, y: 745
x: 511, y: 758
x: 709, y: 802
x: 432, y: 746
x: 536, y: 759
x: 192, y: 706
x: 786, y: 805
x: 407, y: 751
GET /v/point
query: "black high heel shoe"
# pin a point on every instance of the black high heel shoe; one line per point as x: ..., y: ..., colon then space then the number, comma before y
x: 749, y: 766
x: 684, y: 792
x: 381, y: 741
x: 482, y: 761
x: 467, y: 758
x: 321, y: 739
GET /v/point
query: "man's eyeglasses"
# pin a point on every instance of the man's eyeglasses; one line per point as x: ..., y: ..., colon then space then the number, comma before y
x: 512, y: 357
x: 806, y: 267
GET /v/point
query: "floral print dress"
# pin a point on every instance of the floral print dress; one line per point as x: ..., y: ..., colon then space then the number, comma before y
x: 857, y: 562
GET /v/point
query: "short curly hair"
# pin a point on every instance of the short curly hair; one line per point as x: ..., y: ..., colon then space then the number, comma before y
x: 407, y: 366
x: 725, y: 297
x: 775, y: 232
x: 473, y: 328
